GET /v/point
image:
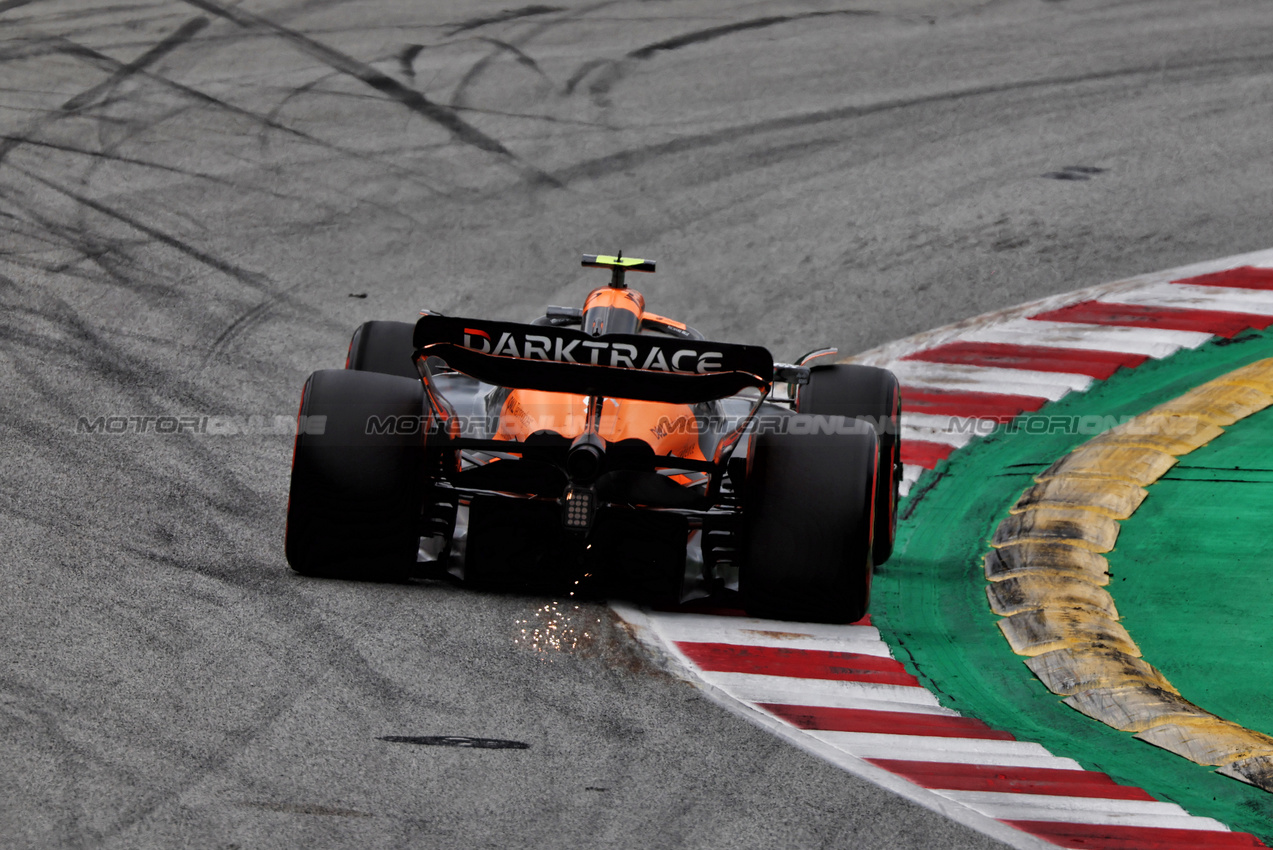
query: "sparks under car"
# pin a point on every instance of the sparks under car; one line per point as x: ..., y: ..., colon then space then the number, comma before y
x: 598, y: 449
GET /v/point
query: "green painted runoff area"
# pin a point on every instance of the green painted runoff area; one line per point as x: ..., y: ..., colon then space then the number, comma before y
x: 1193, y: 574
x: 929, y: 600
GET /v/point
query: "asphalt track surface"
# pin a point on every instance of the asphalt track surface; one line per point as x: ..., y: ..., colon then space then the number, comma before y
x: 199, y: 202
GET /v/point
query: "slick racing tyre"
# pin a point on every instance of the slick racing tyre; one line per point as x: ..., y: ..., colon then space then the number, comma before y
x: 384, y: 347
x: 808, y: 521
x: 357, y: 477
x: 874, y: 396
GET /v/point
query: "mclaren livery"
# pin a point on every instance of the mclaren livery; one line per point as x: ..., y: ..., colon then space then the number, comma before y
x: 603, y: 450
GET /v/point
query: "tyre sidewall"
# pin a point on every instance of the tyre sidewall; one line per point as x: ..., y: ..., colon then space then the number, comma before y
x: 357, y: 479
x: 384, y: 347
x: 808, y: 524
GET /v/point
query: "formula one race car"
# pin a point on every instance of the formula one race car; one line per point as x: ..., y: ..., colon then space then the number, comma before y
x: 600, y: 450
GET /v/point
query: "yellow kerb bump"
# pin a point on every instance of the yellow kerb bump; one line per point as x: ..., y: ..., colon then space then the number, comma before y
x: 1109, y: 497
x: 1068, y: 671
x: 1134, y: 464
x: 1174, y: 433
x: 1208, y: 740
x: 1037, y: 592
x: 1086, y: 529
x: 1036, y: 632
x: 1039, y: 557
x: 1133, y: 706
x: 1220, y: 404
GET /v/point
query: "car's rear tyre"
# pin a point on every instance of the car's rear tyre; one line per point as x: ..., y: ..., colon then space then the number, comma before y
x: 808, y: 522
x: 384, y: 347
x: 358, y: 477
x: 872, y: 395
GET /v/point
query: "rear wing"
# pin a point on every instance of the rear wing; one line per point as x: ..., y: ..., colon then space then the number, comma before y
x: 559, y: 359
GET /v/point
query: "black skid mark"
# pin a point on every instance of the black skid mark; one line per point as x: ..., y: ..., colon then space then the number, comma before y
x: 461, y: 88
x: 71, y: 48
x: 303, y: 88
x: 506, y: 15
x: 27, y: 48
x: 443, y: 116
x: 327, y: 650
x: 307, y: 809
x: 584, y: 70
x: 255, y: 280
x: 101, y: 60
x: 270, y: 121
x: 108, y: 256
x: 33, y: 227
x: 239, y: 325
x: 130, y: 130
x: 43, y: 714
x: 603, y: 81
x: 223, y: 490
x: 407, y: 57
x: 462, y: 741
x: 520, y: 57
x: 713, y: 33
x: 116, y: 265
x: 479, y: 68
x: 547, y: 119
x: 614, y: 68
x: 1075, y: 172
x: 633, y: 157
x: 176, y: 39
x: 97, y: 355
x: 232, y: 747
x: 121, y: 73
x: 110, y: 156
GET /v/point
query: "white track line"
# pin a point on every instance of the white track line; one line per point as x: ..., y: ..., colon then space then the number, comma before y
x: 958, y: 376
x: 1150, y: 342
x: 1039, y: 807
x: 786, y: 690
x: 1042, y: 807
x: 903, y: 746
x: 1179, y: 296
x: 936, y: 428
x: 694, y: 627
x: 930, y: 709
x: 702, y: 628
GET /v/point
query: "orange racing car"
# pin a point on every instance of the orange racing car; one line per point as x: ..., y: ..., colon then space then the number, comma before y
x: 602, y: 449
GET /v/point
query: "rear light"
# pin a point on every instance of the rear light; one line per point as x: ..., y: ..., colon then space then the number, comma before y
x: 578, y: 505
